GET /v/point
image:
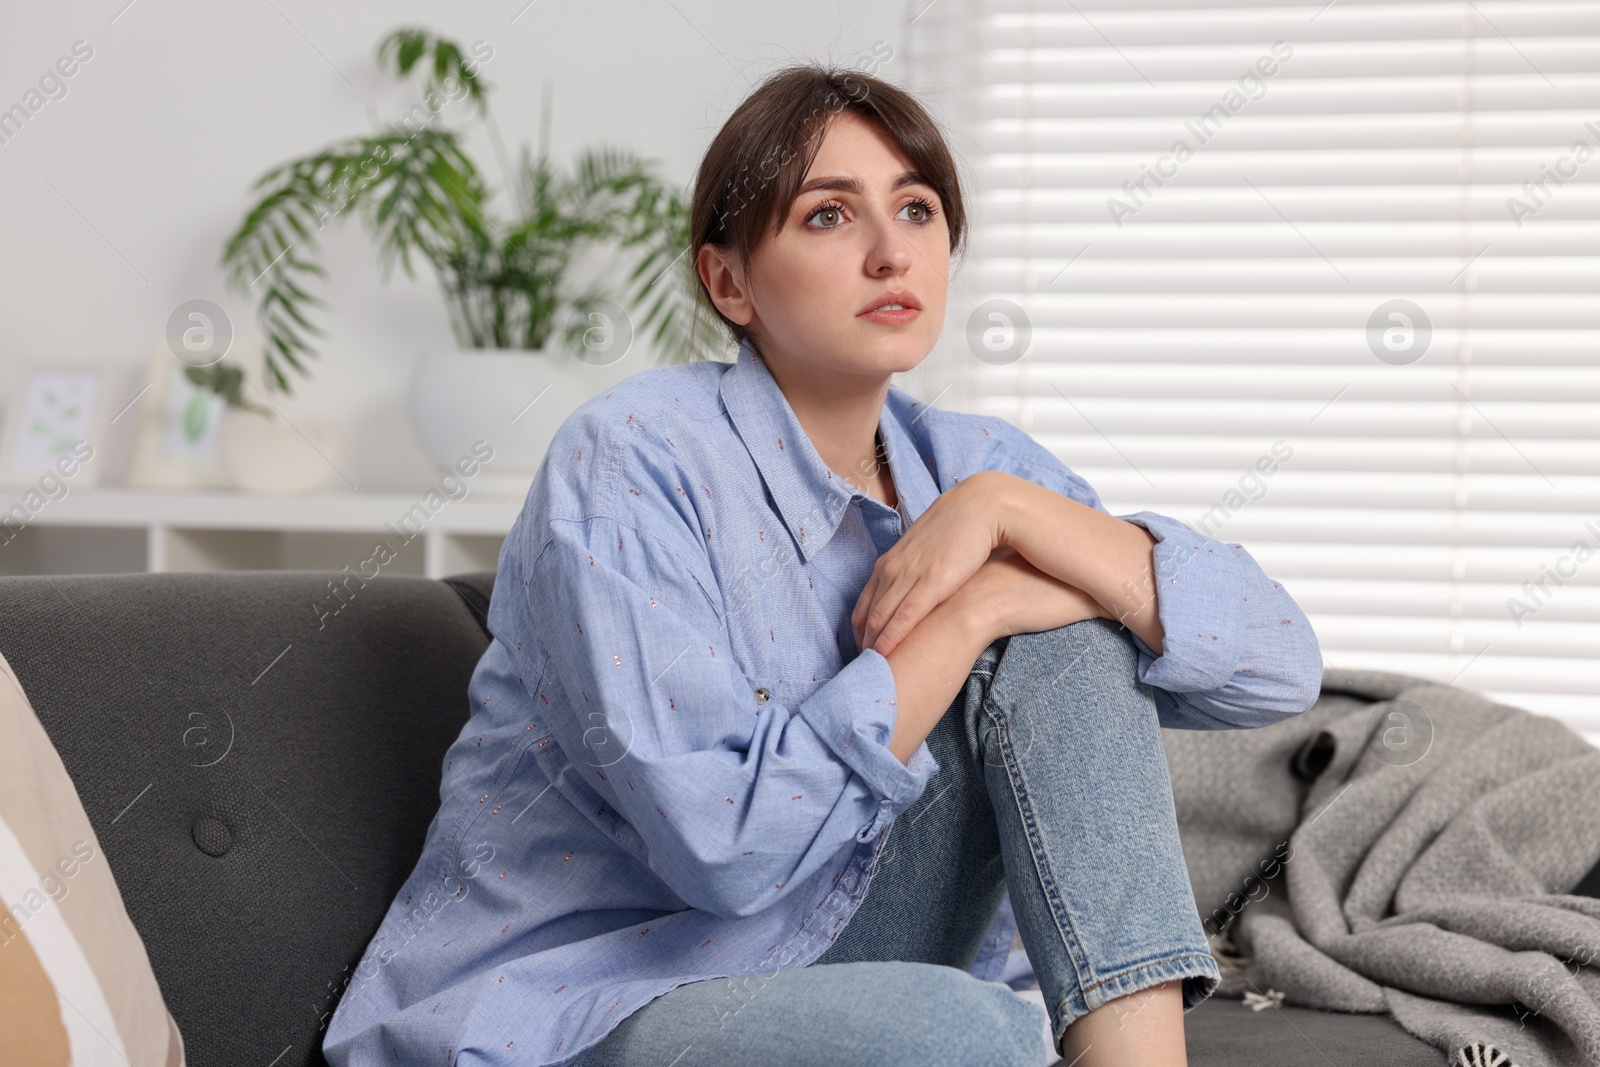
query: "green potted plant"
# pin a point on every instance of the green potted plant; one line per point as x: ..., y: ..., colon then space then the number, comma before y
x: 525, y: 326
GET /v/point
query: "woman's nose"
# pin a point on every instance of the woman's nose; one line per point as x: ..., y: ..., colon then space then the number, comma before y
x: 889, y: 250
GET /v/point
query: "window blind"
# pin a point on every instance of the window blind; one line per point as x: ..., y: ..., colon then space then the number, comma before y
x: 1322, y: 279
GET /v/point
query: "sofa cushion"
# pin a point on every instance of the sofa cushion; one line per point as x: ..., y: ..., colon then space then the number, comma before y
x: 75, y: 982
x: 259, y: 756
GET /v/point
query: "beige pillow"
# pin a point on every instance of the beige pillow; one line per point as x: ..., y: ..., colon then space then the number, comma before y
x: 75, y: 983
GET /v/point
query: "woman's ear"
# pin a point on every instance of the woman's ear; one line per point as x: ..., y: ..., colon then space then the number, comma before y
x: 725, y: 283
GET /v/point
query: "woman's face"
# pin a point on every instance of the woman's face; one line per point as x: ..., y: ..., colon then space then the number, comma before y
x: 862, y: 225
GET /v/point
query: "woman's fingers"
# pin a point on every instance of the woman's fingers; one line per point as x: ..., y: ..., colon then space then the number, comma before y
x: 933, y: 559
x: 899, y: 616
x: 864, y: 603
x: 876, y: 585
x: 908, y: 598
x: 886, y: 600
x: 877, y: 597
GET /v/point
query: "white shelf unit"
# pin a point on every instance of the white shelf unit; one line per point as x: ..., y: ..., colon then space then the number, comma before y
x: 112, y: 531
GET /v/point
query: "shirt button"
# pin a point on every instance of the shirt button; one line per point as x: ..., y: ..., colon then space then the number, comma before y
x: 762, y: 696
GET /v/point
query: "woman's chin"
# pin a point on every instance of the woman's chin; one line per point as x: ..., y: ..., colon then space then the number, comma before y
x: 875, y: 351
x: 902, y: 353
x: 890, y: 348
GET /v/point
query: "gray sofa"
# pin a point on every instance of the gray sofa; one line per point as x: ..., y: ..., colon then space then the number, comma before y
x: 261, y: 777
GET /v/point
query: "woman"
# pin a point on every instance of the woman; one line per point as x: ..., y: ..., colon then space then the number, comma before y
x: 795, y: 680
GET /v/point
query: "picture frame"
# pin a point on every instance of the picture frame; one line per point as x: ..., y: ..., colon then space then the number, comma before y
x: 48, y: 412
x: 175, y: 441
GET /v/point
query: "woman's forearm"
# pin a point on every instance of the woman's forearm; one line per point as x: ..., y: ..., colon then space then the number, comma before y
x: 1108, y: 558
x: 930, y: 666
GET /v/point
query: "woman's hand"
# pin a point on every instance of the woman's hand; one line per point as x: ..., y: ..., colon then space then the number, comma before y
x: 1008, y: 595
x: 936, y: 556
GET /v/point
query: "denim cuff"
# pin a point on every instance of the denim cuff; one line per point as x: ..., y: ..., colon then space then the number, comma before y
x: 1198, y: 972
x: 854, y: 714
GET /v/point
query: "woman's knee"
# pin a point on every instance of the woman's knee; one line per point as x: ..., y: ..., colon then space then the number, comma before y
x: 887, y: 1013
x: 1091, y: 656
x: 1097, y: 641
x: 949, y: 1016
x: 1077, y: 685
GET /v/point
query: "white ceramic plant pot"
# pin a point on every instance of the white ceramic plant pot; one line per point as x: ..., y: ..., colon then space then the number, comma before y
x: 515, y: 399
x: 264, y: 454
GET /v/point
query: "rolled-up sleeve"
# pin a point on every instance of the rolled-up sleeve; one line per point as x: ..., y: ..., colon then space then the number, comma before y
x: 1236, y: 650
x: 735, y: 799
x: 862, y: 741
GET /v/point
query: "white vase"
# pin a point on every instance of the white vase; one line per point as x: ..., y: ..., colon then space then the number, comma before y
x: 264, y: 454
x: 515, y: 399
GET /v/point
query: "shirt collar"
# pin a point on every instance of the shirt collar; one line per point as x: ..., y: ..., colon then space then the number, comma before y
x: 811, y: 499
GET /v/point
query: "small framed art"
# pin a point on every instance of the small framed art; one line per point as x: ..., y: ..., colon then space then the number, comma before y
x: 175, y: 442
x: 54, y: 416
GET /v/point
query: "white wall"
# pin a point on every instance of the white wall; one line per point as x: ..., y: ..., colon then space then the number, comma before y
x: 117, y: 197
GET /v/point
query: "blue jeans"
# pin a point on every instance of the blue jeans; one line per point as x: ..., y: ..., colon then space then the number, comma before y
x: 1053, y: 783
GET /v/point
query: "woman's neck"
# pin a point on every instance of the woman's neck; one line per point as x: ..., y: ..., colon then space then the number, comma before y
x: 840, y: 413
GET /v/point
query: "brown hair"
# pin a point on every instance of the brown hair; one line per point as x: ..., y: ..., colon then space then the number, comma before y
x: 753, y: 167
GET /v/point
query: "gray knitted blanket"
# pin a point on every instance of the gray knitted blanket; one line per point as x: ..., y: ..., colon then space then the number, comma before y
x: 1408, y: 848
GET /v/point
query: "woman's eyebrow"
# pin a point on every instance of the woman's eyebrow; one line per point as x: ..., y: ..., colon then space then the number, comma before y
x: 851, y: 185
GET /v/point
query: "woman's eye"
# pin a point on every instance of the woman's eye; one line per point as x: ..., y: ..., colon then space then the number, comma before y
x: 830, y: 215
x: 921, y: 211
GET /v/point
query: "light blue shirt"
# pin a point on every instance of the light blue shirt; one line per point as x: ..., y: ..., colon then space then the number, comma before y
x: 677, y: 763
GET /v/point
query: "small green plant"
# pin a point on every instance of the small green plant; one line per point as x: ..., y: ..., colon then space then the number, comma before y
x: 227, y: 381
x: 506, y: 280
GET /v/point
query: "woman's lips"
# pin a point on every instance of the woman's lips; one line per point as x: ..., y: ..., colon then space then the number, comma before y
x: 891, y: 316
